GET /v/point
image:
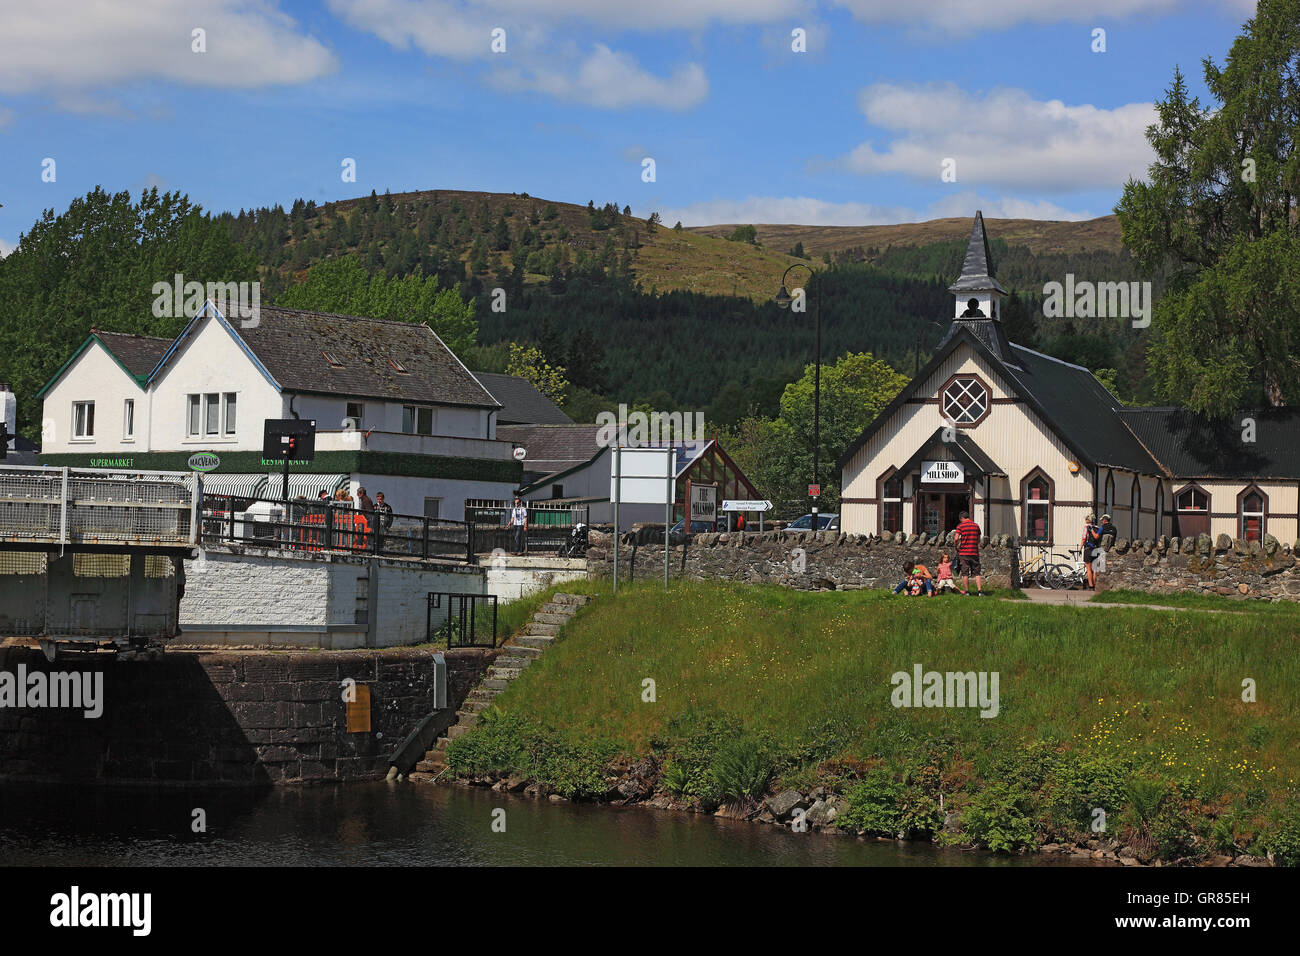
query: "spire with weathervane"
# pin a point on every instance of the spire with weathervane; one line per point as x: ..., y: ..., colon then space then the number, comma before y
x: 979, y: 296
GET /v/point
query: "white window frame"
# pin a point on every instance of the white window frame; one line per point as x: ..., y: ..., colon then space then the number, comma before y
x: 1243, y: 514
x: 87, y: 419
x: 229, y: 413
x: 360, y: 416
x: 209, y: 413
x: 415, y: 411
x: 128, y: 419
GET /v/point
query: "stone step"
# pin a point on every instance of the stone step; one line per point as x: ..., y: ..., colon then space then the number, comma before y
x: 456, y: 731
x: 474, y: 706
x: 524, y: 652
x: 578, y: 599
x: 541, y: 617
x: 494, y: 683
x: 504, y: 673
x: 568, y: 610
x: 482, y: 695
x: 428, y: 766
x: 521, y: 661
x: 441, y: 745
x: 536, y: 629
x: 535, y: 640
x: 468, y: 718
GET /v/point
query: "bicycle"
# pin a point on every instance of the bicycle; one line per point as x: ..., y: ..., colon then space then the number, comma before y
x: 1037, y: 570
x: 1072, y: 575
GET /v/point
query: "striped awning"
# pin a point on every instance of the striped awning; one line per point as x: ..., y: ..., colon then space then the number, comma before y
x: 307, y: 485
x: 236, y: 485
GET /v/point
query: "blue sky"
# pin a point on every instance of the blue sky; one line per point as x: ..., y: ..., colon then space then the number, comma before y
x: 741, y: 128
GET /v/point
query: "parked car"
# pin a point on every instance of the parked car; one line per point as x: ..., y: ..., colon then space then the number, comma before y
x: 825, y: 522
x: 697, y: 527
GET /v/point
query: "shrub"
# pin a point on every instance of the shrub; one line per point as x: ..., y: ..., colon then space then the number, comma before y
x: 741, y: 770
x: 1284, y: 839
x: 1000, y: 817
x: 874, y: 805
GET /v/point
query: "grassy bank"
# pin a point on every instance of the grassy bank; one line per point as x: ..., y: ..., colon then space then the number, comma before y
x: 1133, y: 711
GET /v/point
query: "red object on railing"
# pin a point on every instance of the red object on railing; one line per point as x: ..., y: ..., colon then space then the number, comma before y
x: 351, y: 531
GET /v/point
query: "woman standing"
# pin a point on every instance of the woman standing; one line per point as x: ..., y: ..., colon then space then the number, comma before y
x: 1091, y: 541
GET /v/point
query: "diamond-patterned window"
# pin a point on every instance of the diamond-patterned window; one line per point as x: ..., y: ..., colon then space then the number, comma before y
x: 964, y: 401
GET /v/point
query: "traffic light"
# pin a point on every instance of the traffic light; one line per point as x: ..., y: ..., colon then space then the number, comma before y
x: 293, y: 447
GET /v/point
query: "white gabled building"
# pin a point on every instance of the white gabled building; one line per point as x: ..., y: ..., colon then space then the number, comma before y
x: 396, y: 411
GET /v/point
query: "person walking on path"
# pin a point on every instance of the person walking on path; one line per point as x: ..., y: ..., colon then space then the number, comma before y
x: 968, y: 554
x: 519, y: 521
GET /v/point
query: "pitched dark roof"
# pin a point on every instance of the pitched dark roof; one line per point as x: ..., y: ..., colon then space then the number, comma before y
x: 977, y: 269
x: 1192, y: 446
x: 137, y: 353
x: 1080, y: 409
x: 552, y: 448
x: 290, y: 344
x: 1068, y: 398
x: 522, y: 403
x: 990, y: 333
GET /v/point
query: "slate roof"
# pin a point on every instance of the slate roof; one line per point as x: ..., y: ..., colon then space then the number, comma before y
x: 522, y: 403
x: 552, y: 448
x: 1081, y: 410
x: 976, y: 269
x: 289, y: 343
x: 1192, y: 446
x: 138, y: 353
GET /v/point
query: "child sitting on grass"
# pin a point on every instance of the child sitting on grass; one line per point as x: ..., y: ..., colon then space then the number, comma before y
x: 944, y: 581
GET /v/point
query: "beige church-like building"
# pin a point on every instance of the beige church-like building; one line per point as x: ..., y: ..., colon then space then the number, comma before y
x: 1030, y: 445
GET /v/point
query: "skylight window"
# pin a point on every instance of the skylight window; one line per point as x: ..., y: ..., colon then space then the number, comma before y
x: 334, y: 362
x: 399, y: 366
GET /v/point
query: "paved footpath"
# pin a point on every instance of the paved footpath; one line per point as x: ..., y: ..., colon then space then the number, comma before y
x: 1082, y: 599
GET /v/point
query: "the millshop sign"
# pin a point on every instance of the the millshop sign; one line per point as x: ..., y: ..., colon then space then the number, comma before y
x: 942, y: 471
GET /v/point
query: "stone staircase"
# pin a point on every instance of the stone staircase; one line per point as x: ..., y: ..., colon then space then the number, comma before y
x: 538, y: 635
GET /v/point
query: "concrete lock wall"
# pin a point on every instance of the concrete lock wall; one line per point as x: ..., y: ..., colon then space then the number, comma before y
x: 242, y: 596
x: 511, y: 577
x: 1264, y: 570
x: 228, y: 718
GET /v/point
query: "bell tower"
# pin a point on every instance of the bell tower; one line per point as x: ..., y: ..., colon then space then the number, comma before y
x: 978, y: 296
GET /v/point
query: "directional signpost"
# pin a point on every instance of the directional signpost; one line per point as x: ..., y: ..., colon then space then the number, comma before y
x: 749, y: 505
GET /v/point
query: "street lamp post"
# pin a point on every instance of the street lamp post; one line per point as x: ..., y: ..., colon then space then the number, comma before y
x: 783, y: 300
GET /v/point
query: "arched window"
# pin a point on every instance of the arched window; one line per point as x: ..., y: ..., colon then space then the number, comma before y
x: 964, y: 400
x: 1036, y: 501
x: 891, y: 502
x: 1191, y: 511
x: 1252, y: 514
x: 1135, y: 504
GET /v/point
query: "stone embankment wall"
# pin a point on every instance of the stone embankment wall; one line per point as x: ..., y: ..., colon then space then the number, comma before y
x: 828, y: 559
x: 227, y: 718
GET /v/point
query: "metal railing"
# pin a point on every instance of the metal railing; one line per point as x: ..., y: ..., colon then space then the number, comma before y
x: 548, y: 527
x: 330, y: 526
x: 460, y: 627
x: 97, y: 506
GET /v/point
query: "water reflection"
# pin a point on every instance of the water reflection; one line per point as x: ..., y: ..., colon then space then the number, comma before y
x: 379, y: 824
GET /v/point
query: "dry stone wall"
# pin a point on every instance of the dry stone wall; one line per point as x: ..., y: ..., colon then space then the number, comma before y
x: 1264, y: 570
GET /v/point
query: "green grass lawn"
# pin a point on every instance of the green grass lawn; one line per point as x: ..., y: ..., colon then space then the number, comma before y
x: 1154, y: 693
x: 1204, y: 602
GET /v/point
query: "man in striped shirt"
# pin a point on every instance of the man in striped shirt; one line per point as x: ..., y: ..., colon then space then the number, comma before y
x: 968, y: 554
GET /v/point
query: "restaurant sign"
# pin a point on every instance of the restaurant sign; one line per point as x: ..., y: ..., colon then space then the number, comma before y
x: 948, y: 472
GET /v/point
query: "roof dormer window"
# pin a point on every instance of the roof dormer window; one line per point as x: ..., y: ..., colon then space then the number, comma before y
x: 334, y: 362
x: 399, y: 366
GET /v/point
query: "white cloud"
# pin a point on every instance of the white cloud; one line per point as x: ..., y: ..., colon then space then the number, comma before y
x: 1003, y: 138
x: 65, y: 45
x: 611, y: 80
x: 967, y: 16
x: 6, y: 247
x: 807, y: 211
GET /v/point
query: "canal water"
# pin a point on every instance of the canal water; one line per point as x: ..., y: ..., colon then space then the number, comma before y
x: 405, y: 824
